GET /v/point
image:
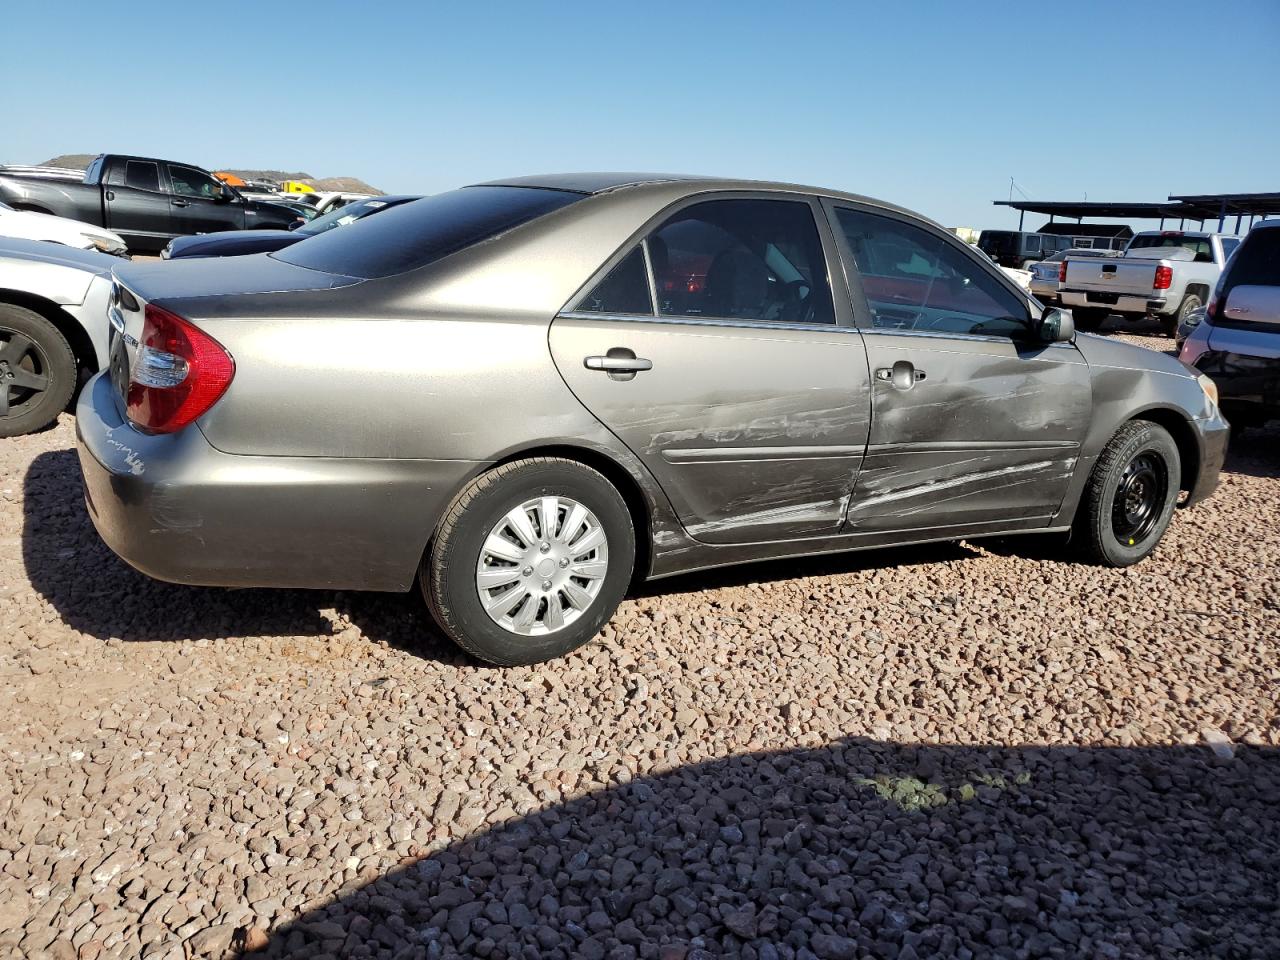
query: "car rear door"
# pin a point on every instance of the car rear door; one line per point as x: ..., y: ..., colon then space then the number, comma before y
x: 713, y: 350
x: 197, y: 203
x: 137, y: 205
x: 974, y: 421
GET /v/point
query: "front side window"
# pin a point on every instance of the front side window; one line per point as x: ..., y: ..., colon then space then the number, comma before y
x: 757, y: 260
x: 916, y: 280
x: 625, y: 289
x: 187, y: 182
x: 142, y: 175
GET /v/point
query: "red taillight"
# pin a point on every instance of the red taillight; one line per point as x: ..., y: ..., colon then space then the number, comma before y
x: 1164, y: 277
x: 178, y: 374
x: 1062, y: 272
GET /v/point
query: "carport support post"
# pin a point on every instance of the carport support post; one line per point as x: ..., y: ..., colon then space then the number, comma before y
x: 1222, y: 216
x: 1238, y: 216
x: 1021, y: 214
x: 1162, y: 223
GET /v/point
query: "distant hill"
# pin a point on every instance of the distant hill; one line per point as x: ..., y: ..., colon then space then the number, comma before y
x: 79, y: 161
x: 72, y: 161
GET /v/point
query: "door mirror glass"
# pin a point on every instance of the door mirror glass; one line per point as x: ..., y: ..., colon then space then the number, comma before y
x: 1057, y: 326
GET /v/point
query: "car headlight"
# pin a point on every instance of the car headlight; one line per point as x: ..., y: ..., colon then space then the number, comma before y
x: 1209, y: 387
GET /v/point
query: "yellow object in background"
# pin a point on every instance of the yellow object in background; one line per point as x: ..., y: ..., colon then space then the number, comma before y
x: 296, y: 186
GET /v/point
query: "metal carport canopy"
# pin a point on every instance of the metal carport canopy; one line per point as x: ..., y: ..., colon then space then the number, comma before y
x: 1205, y: 206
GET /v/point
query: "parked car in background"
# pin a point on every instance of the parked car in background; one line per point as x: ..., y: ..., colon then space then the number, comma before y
x: 1237, y: 342
x: 1013, y: 248
x: 53, y: 328
x: 1046, y: 274
x: 523, y: 393
x: 148, y: 202
x: 25, y: 225
x: 235, y: 243
x: 305, y: 211
x: 1163, y: 274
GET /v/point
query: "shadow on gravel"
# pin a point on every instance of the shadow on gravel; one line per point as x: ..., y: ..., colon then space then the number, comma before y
x: 97, y: 593
x: 826, y: 565
x: 1255, y: 452
x: 859, y: 849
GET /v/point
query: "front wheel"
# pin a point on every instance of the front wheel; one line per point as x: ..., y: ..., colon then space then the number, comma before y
x: 1131, y: 495
x: 530, y: 561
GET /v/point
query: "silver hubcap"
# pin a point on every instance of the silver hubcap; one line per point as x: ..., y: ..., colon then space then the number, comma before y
x: 542, y: 565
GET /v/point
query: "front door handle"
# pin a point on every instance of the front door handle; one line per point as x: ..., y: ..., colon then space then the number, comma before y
x: 111, y: 195
x: 903, y: 375
x: 620, y: 363
x: 181, y: 203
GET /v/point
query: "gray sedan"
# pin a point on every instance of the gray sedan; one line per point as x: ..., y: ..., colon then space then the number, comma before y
x: 527, y: 395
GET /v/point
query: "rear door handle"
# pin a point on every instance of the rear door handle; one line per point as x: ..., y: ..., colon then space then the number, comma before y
x: 620, y: 363
x: 111, y: 195
x: 181, y: 203
x: 903, y: 375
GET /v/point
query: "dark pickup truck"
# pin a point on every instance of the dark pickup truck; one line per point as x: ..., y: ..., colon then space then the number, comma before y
x: 148, y: 202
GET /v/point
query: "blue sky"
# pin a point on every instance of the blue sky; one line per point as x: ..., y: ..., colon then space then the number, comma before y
x: 931, y: 105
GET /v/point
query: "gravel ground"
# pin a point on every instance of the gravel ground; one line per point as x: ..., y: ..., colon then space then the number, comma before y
x: 969, y: 750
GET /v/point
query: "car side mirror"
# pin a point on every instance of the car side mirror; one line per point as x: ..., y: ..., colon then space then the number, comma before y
x: 1057, y: 326
x: 1252, y: 303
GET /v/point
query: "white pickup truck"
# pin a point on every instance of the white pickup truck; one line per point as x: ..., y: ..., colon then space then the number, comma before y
x: 1164, y: 274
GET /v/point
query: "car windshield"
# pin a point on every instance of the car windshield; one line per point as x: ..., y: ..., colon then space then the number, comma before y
x: 342, y: 216
x: 415, y: 234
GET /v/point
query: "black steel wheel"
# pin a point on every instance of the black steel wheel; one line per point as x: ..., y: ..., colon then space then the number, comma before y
x: 1131, y: 494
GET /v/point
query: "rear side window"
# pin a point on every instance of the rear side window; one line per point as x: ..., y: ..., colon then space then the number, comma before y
x: 624, y: 290
x: 758, y: 260
x: 415, y: 234
x: 142, y: 175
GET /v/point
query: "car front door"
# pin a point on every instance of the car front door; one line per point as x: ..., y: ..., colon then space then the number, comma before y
x: 975, y: 421
x: 137, y: 206
x: 713, y: 350
x: 200, y: 204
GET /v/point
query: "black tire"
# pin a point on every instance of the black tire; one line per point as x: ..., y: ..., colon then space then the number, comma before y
x: 32, y: 351
x: 1088, y: 319
x: 1130, y: 496
x: 448, y: 576
x: 1170, y: 324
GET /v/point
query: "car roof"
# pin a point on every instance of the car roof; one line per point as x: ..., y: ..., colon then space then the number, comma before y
x: 592, y: 184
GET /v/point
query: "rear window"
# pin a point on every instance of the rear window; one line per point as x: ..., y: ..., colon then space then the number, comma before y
x: 1197, y: 245
x: 415, y: 234
x: 998, y: 241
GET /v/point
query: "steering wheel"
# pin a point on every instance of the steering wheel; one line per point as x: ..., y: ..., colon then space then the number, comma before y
x: 796, y: 293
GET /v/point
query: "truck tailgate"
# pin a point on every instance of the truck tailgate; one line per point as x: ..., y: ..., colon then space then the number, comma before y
x: 1119, y: 276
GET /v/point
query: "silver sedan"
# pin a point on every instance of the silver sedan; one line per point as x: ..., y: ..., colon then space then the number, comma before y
x: 524, y: 396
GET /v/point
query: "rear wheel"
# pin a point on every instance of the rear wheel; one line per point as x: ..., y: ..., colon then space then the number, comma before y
x: 37, y: 371
x: 1170, y: 324
x: 1089, y: 319
x: 1131, y: 495
x: 530, y: 561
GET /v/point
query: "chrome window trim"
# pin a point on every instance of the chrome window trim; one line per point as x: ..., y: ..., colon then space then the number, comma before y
x: 943, y: 335
x: 704, y: 321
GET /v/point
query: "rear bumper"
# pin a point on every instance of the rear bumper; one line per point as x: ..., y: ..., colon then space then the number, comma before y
x: 1140, y: 304
x: 1212, y: 435
x: 1248, y: 385
x: 180, y: 510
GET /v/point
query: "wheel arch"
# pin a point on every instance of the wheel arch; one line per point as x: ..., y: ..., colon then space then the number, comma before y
x: 624, y: 481
x: 71, y: 328
x: 1184, y: 437
x: 31, y: 208
x: 1200, y: 290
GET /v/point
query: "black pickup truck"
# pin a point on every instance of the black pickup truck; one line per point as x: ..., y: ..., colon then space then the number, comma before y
x: 147, y: 201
